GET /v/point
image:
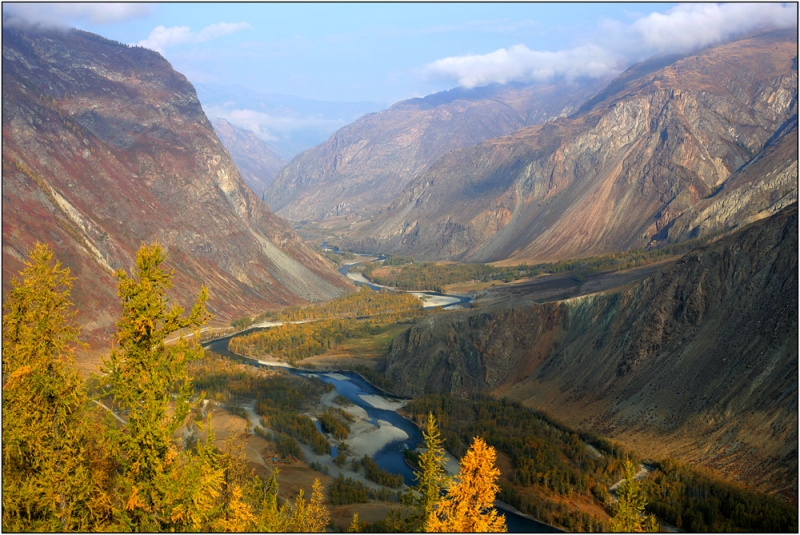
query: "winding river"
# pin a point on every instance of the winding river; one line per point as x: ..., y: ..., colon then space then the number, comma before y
x: 448, y: 301
x: 390, y: 457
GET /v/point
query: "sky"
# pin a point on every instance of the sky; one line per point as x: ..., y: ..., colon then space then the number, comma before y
x: 386, y: 52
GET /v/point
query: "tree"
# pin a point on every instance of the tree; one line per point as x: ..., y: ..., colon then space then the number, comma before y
x: 47, y: 479
x: 431, y: 477
x: 469, y: 503
x: 148, y: 379
x: 629, y: 516
x: 354, y: 525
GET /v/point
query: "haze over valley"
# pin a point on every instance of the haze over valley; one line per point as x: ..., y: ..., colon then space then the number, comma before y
x: 569, y: 236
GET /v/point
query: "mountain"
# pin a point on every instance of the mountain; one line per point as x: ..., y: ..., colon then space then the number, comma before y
x: 290, y: 124
x: 106, y: 147
x: 254, y: 158
x: 366, y: 164
x: 664, y: 139
x: 697, y: 361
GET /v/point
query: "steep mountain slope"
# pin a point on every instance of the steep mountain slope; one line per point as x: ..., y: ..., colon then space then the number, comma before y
x: 106, y: 147
x: 363, y: 166
x: 660, y: 139
x: 255, y: 159
x: 697, y: 361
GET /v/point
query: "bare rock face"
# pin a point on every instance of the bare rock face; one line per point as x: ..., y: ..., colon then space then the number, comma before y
x: 106, y: 147
x: 366, y: 164
x: 660, y: 141
x: 254, y: 158
x: 698, y: 361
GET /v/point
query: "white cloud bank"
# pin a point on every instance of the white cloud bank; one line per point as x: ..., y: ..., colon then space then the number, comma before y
x: 271, y: 127
x: 682, y: 29
x: 161, y: 37
x: 66, y: 14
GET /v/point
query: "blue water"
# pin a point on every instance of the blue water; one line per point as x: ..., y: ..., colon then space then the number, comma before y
x: 390, y: 457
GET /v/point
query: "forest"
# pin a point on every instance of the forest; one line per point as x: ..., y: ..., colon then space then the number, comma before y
x: 550, y: 460
x: 106, y: 459
x: 435, y: 277
x: 296, y: 341
x: 381, y: 306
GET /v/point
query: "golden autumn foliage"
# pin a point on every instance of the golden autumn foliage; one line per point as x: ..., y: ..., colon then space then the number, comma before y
x: 469, y: 503
x: 48, y: 484
x: 629, y: 515
x: 65, y: 469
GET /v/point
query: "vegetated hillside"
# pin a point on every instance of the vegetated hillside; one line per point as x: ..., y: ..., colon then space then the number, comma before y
x: 106, y: 147
x: 666, y: 138
x: 366, y: 164
x: 254, y: 158
x: 697, y: 361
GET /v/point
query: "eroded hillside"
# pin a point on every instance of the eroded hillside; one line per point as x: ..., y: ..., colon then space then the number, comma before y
x: 697, y: 361
x: 366, y: 164
x: 106, y: 147
x: 665, y: 139
x: 255, y: 159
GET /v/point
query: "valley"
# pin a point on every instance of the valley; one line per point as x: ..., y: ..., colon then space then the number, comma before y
x: 251, y: 314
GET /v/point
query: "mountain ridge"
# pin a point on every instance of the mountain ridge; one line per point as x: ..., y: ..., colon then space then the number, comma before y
x: 106, y: 147
x: 606, y: 179
x: 366, y: 164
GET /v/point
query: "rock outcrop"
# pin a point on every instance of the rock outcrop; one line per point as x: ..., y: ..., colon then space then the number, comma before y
x: 665, y: 139
x: 256, y: 161
x: 697, y: 361
x: 366, y: 164
x: 106, y: 147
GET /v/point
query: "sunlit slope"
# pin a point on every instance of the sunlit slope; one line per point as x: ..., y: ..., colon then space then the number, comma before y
x: 105, y: 147
x: 657, y: 143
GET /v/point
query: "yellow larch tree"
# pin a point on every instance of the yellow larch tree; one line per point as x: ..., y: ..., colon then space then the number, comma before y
x: 469, y: 503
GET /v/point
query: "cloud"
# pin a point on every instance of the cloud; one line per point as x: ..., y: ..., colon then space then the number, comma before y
x: 67, y: 14
x: 161, y: 38
x: 218, y: 30
x: 520, y: 63
x: 682, y: 29
x: 691, y: 26
x: 271, y: 127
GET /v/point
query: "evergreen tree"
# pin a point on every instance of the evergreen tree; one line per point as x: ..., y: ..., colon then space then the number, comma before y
x: 47, y: 476
x: 148, y: 380
x: 629, y: 516
x: 469, y: 503
x: 431, y: 478
x: 354, y: 525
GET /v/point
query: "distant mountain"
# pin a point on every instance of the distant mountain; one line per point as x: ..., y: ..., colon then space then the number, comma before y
x: 105, y: 147
x: 668, y: 138
x: 365, y: 165
x: 254, y: 158
x: 290, y: 124
x: 697, y: 361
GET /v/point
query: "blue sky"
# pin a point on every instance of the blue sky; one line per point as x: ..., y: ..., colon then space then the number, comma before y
x: 385, y: 52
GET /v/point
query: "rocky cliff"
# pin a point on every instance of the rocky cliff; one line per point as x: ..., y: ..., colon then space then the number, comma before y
x: 366, y: 164
x: 697, y: 361
x: 255, y: 159
x: 665, y: 139
x: 106, y: 147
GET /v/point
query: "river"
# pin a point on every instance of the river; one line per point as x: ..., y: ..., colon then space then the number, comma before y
x: 429, y: 299
x: 390, y: 457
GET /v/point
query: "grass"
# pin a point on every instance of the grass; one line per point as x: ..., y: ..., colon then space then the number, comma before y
x: 371, y: 347
x: 368, y: 351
